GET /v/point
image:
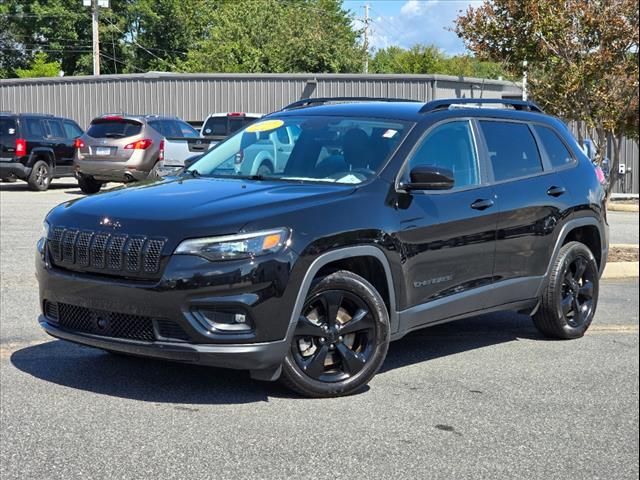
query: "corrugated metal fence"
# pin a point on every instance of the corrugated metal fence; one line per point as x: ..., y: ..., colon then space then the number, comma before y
x: 193, y: 96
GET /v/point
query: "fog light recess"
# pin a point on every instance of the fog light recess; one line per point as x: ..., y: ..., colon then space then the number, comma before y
x: 229, y: 320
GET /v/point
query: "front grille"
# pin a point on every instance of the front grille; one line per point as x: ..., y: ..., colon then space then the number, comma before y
x: 103, y: 323
x: 111, y: 324
x: 105, y: 253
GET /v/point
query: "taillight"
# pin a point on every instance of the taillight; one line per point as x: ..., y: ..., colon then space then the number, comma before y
x: 161, y: 152
x: 139, y: 145
x: 239, y: 157
x: 78, y: 143
x: 21, y: 146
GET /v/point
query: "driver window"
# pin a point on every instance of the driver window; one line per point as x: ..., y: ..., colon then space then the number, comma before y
x: 450, y: 146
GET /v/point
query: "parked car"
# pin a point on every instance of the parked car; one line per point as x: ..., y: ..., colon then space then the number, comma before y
x: 389, y: 216
x: 124, y: 148
x: 36, y: 148
x: 268, y: 153
x: 219, y: 126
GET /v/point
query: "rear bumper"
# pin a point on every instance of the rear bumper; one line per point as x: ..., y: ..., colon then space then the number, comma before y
x: 14, y: 169
x: 256, y: 356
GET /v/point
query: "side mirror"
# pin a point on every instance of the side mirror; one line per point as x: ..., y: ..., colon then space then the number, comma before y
x: 191, y: 160
x: 429, y: 178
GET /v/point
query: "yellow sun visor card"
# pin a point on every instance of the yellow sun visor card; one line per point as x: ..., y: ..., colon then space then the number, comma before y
x: 264, y: 126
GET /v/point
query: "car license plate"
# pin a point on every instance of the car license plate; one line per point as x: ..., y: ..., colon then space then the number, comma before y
x: 103, y: 151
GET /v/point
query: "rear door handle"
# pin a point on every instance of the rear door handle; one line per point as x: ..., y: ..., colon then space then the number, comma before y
x: 482, y: 204
x: 556, y: 191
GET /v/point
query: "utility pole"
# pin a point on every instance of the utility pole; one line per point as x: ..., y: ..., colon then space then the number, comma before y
x: 525, y: 94
x: 367, y: 21
x: 95, y: 7
x: 96, y: 37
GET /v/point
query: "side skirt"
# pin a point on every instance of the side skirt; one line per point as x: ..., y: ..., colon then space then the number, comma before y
x: 515, y: 294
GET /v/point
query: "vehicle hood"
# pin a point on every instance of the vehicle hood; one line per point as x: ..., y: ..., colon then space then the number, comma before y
x: 190, y: 207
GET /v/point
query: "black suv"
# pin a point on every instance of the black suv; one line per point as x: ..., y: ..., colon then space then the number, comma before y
x: 388, y: 216
x: 36, y: 148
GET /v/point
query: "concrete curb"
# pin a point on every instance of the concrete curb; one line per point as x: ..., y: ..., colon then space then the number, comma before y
x: 621, y: 270
x: 621, y: 207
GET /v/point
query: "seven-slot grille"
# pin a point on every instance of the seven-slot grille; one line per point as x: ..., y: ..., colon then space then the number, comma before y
x: 103, y: 252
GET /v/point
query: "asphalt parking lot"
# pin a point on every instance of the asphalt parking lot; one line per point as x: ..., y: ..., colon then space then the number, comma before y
x: 481, y: 398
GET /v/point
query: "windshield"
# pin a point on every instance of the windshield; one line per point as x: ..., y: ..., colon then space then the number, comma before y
x: 305, y: 148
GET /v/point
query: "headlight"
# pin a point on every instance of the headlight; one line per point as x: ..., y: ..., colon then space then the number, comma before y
x: 234, y: 247
x: 45, y: 230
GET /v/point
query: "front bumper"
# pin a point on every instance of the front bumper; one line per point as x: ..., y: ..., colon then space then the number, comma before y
x: 188, y: 285
x: 257, y: 356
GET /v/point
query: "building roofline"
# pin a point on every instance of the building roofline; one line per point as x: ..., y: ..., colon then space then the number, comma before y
x: 309, y: 77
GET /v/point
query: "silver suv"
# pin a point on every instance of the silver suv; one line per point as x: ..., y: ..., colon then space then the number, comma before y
x: 124, y: 148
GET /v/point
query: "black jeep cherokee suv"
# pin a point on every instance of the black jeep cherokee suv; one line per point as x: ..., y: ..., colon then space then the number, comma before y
x: 384, y: 217
x: 36, y: 148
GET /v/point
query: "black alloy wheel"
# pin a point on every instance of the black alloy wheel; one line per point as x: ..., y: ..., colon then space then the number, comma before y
x: 570, y: 298
x: 340, y: 339
x: 335, y: 336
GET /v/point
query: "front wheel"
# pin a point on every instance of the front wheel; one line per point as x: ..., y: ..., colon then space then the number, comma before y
x: 569, y: 301
x: 341, y: 338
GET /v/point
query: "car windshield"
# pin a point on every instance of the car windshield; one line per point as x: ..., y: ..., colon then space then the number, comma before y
x: 305, y: 148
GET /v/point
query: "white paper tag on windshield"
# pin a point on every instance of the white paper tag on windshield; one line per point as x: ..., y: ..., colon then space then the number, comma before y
x: 390, y: 133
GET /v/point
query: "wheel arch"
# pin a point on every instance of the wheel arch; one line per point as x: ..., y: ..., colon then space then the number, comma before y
x: 587, y: 230
x: 365, y: 259
x: 44, y: 154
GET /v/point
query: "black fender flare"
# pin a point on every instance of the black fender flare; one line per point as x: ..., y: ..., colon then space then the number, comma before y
x: 40, y: 152
x: 340, y: 254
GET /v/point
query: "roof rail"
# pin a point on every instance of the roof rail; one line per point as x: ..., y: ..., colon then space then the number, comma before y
x: 461, y: 102
x: 306, y: 102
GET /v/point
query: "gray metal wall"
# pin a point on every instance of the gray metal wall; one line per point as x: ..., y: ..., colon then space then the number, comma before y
x: 193, y: 96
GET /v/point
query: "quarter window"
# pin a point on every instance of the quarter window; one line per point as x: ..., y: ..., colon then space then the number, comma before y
x: 450, y: 146
x: 512, y: 149
x: 557, y: 152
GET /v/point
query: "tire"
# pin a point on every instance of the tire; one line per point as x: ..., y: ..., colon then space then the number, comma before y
x: 570, y: 298
x: 89, y: 185
x: 265, y: 169
x: 354, y: 352
x: 40, y: 176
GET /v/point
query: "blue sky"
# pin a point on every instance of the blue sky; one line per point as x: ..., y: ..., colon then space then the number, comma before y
x: 407, y: 22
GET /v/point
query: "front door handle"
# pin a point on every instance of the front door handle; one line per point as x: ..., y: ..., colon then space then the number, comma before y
x: 556, y: 191
x: 482, y: 204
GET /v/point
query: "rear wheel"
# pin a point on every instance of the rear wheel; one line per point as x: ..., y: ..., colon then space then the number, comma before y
x: 89, y: 185
x: 341, y: 338
x: 569, y: 301
x: 40, y: 176
x: 265, y: 169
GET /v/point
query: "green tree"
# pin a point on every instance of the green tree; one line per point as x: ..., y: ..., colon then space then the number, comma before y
x: 582, y: 58
x: 40, y: 67
x: 277, y: 36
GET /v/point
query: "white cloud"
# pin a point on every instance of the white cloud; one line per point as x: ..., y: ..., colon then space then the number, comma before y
x: 419, y: 21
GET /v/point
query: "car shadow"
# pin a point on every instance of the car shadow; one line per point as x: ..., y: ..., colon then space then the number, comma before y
x: 20, y: 186
x: 149, y: 380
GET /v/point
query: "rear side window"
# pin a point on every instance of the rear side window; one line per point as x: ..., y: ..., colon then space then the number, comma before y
x: 34, y: 127
x: 450, y: 146
x: 558, y: 154
x: 121, y: 128
x: 7, y: 129
x: 71, y: 130
x: 512, y: 149
x: 54, y: 129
